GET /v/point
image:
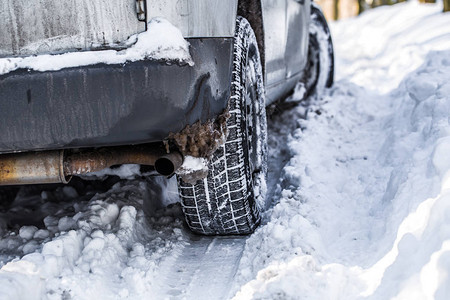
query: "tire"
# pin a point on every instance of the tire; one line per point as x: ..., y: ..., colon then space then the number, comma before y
x: 228, y: 201
x: 319, y: 71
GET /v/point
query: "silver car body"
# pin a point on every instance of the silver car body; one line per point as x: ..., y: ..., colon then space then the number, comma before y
x: 30, y: 27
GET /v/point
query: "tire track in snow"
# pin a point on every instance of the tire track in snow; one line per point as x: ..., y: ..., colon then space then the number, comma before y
x: 204, y: 269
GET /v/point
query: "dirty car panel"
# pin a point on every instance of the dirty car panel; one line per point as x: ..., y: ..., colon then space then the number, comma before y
x: 98, y: 105
x: 30, y: 27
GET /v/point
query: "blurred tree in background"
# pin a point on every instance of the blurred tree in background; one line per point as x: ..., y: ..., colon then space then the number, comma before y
x: 446, y: 5
x: 341, y: 9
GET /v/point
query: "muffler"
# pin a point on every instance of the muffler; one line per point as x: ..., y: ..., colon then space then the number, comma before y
x: 59, y: 166
x: 31, y: 168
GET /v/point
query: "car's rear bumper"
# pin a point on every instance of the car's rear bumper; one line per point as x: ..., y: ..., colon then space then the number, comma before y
x: 102, y: 104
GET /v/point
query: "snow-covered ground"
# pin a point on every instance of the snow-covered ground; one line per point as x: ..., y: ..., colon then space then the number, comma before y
x: 360, y: 181
x: 364, y: 202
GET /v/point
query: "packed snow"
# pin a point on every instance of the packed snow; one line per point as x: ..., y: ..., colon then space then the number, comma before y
x: 193, y: 164
x: 359, y: 179
x: 161, y: 41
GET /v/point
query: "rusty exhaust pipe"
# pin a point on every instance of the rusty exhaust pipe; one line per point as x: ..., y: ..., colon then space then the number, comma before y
x: 30, y: 168
x: 59, y: 166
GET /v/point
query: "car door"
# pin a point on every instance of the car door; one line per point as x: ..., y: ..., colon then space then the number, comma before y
x: 297, y: 24
x: 274, y: 17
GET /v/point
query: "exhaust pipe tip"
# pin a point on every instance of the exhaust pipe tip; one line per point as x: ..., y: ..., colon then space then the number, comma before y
x: 167, y: 165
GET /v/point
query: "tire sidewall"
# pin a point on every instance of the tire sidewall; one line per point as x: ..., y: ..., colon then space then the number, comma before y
x: 256, y: 181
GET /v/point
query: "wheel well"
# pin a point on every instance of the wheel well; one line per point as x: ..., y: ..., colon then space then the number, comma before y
x: 252, y: 11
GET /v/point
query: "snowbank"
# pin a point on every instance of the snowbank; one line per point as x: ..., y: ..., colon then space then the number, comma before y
x: 106, y: 248
x: 162, y: 41
x: 378, y: 49
x: 364, y: 202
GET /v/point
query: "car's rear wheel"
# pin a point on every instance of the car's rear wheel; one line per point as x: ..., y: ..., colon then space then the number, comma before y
x: 229, y: 199
x: 319, y: 71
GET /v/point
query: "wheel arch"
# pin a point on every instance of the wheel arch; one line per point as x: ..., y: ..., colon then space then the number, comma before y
x: 252, y: 11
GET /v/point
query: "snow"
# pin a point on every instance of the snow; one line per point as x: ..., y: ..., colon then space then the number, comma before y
x: 397, y: 38
x: 359, y: 179
x: 162, y: 41
x: 364, y: 200
x: 193, y: 169
x: 126, y: 171
x: 192, y: 164
x: 103, y: 248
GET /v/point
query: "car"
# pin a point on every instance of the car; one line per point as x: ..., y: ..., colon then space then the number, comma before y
x: 78, y: 93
